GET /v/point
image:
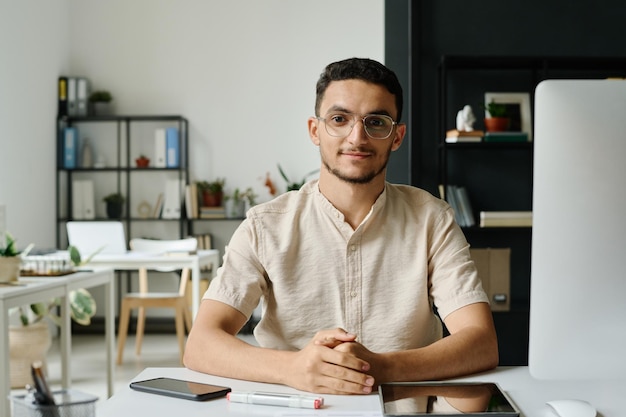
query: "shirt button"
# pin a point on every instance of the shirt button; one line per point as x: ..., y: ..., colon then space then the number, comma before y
x: 353, y: 248
x: 353, y: 294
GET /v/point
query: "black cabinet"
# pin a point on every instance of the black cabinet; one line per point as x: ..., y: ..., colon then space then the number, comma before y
x: 110, y: 166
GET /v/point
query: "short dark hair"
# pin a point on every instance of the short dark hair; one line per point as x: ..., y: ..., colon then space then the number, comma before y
x: 362, y: 69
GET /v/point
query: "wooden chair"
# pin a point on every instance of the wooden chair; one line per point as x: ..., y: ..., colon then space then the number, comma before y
x: 143, y: 299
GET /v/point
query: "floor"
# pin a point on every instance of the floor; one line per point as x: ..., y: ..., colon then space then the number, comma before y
x: 89, y: 361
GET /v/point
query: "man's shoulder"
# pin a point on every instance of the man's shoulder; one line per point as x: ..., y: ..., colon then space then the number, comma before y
x: 289, y: 202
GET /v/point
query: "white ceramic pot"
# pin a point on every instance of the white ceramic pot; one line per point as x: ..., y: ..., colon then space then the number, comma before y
x: 9, y: 268
x: 27, y: 344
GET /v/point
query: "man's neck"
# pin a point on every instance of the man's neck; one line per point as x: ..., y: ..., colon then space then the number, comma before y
x: 354, y: 201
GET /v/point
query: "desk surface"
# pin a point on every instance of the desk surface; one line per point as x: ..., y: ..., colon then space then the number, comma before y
x: 529, y: 394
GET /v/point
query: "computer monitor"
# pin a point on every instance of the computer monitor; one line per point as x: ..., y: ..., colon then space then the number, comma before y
x: 578, y: 272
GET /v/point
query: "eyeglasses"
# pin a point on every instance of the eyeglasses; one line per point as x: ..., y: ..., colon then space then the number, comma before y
x: 377, y: 126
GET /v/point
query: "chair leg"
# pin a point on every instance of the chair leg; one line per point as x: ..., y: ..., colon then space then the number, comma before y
x: 180, y: 331
x: 187, y: 317
x: 141, y: 325
x: 123, y: 330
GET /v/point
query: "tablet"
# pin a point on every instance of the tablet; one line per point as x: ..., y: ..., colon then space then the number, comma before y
x: 180, y: 389
x: 405, y: 399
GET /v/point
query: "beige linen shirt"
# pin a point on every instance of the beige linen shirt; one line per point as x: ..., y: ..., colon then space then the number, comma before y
x: 312, y: 271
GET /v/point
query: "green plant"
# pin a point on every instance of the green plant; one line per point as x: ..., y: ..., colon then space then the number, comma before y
x: 496, y: 109
x: 9, y: 249
x: 292, y: 185
x: 100, y: 96
x: 238, y: 196
x: 216, y: 186
x: 114, y: 198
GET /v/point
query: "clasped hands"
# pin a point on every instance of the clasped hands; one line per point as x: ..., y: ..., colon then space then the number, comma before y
x: 334, y: 363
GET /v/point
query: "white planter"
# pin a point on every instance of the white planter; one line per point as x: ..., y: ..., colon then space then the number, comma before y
x: 27, y: 344
x: 9, y: 268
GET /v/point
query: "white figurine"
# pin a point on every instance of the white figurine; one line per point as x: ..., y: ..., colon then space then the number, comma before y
x: 465, y: 119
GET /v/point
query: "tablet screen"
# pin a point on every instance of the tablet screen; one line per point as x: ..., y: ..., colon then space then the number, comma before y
x: 445, y: 399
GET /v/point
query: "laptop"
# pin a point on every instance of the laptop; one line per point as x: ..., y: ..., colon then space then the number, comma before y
x: 108, y: 238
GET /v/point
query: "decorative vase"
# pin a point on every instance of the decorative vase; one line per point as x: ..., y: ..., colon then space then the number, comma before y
x: 10, y: 268
x: 114, y: 210
x: 235, y: 209
x: 101, y: 108
x: 142, y: 162
x: 497, y: 124
x: 210, y: 199
x: 27, y: 344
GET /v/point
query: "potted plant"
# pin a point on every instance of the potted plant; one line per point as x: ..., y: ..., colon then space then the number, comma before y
x: 143, y: 161
x: 212, y: 192
x: 100, y: 102
x: 30, y: 340
x: 292, y: 185
x: 10, y: 260
x: 114, y: 205
x: 235, y: 203
x: 497, y: 119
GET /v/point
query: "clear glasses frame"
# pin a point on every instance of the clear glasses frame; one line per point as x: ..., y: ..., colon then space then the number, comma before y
x: 376, y: 126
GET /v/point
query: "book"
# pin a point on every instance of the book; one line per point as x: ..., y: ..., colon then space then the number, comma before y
x: 191, y: 201
x: 158, y: 206
x: 159, y: 148
x: 172, y: 153
x: 506, y: 219
x: 174, y: 193
x: 62, y: 96
x: 82, y: 96
x: 451, y: 197
x: 71, y: 96
x: 218, y: 212
x: 466, y: 206
x: 506, y: 137
x: 454, y: 136
x: 83, y: 203
x: 70, y: 147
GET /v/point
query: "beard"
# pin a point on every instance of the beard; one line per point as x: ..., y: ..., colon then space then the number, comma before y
x: 363, y: 178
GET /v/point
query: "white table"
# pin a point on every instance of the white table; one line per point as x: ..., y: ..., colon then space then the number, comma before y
x: 529, y: 394
x: 42, y: 289
x: 134, y: 260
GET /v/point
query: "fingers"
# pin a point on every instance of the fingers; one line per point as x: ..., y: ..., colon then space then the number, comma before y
x: 334, y: 337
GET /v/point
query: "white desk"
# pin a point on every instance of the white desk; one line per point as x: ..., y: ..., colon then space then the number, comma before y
x: 134, y: 260
x: 529, y: 394
x: 42, y: 289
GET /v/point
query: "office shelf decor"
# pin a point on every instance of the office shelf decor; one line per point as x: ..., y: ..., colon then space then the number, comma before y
x: 148, y: 189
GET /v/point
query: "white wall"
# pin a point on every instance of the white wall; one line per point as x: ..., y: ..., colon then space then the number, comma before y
x: 242, y: 71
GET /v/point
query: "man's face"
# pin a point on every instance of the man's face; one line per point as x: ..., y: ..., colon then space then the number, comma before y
x: 355, y: 158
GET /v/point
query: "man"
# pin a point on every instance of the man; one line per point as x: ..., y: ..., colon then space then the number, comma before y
x: 349, y: 268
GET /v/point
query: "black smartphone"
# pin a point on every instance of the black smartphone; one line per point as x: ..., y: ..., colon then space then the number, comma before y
x: 180, y: 389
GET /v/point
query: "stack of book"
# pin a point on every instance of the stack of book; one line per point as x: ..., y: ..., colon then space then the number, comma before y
x: 506, y: 137
x: 212, y: 212
x: 458, y: 199
x: 506, y: 219
x: 455, y: 136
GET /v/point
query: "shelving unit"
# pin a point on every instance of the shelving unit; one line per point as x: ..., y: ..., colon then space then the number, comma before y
x: 499, y: 176
x: 118, y: 140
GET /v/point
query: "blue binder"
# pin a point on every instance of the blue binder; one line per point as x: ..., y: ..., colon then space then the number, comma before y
x: 70, y: 147
x: 172, y: 147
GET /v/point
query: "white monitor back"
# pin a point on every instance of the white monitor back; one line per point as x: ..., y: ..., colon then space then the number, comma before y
x: 578, y: 273
x: 105, y: 237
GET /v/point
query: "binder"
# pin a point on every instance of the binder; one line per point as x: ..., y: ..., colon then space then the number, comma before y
x: 71, y: 96
x: 159, y: 148
x: 62, y: 85
x: 83, y: 203
x: 172, y: 199
x: 82, y: 95
x: 77, y: 200
x: 173, y: 147
x: 70, y: 147
x: 89, y: 209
